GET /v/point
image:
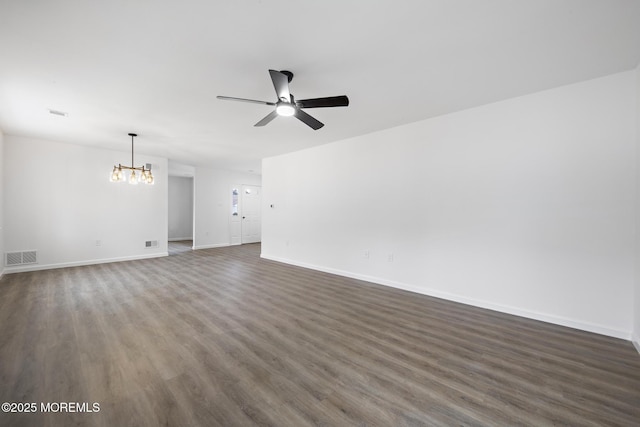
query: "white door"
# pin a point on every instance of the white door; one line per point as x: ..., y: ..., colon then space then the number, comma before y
x: 251, y: 214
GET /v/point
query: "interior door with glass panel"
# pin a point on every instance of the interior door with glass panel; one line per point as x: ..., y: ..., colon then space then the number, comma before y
x: 251, y: 214
x: 235, y: 223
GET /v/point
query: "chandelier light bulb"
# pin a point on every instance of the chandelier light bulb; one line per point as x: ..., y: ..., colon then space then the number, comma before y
x: 133, y: 179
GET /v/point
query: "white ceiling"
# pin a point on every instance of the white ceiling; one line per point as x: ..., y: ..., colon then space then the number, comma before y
x: 155, y: 66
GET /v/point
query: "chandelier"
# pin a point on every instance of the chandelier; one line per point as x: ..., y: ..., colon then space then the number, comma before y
x: 144, y: 174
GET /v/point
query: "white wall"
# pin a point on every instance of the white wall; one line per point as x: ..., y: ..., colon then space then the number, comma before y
x: 524, y: 206
x: 1, y: 203
x: 180, y: 208
x: 213, y: 205
x: 58, y: 200
x: 636, y: 327
x: 181, y: 169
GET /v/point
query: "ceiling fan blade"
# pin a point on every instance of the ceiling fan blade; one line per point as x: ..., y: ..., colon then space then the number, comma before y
x: 272, y: 115
x: 308, y: 120
x: 253, y: 101
x: 330, y: 101
x: 281, y: 84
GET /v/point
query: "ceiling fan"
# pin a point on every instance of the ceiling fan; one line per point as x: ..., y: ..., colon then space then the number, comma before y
x: 287, y: 105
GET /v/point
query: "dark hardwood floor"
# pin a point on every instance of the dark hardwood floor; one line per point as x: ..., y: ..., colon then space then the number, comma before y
x: 222, y: 337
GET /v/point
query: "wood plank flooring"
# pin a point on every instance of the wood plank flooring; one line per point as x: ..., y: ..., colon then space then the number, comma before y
x: 222, y: 337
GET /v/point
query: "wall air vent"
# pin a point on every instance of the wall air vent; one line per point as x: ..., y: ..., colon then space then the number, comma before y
x: 20, y: 258
x: 151, y: 244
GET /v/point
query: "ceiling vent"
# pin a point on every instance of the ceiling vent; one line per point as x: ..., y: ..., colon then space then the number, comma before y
x: 20, y: 258
x: 58, y: 113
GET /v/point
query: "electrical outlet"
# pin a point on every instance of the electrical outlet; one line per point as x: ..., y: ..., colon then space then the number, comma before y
x: 390, y: 258
x: 98, y: 242
x: 366, y: 254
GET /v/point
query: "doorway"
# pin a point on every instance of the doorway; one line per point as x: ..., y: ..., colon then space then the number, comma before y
x: 180, y: 214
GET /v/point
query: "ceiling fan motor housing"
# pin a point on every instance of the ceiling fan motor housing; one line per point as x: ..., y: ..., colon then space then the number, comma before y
x: 289, y: 75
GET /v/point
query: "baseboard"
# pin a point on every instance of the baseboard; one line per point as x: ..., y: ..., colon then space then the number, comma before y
x: 179, y: 239
x: 636, y: 342
x: 37, y: 267
x: 556, y: 320
x: 212, y: 246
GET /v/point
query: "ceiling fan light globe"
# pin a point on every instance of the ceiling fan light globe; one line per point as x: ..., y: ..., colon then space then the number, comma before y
x: 285, y: 109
